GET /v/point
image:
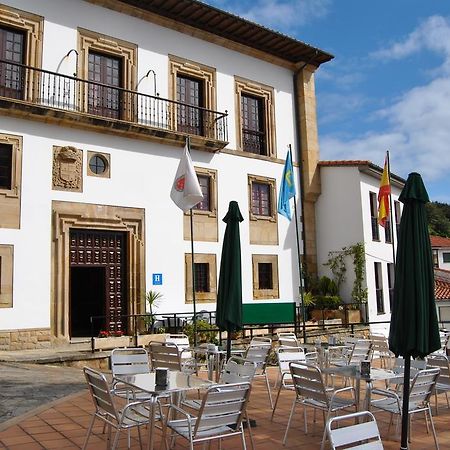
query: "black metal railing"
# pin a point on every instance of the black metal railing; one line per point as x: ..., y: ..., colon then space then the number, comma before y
x: 67, y: 93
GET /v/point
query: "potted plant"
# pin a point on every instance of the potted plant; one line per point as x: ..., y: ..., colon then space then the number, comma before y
x: 325, y: 299
x: 152, y: 300
x: 111, y: 339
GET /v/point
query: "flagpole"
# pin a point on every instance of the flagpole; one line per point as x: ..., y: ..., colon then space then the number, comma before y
x: 391, y: 209
x: 194, y: 303
x: 193, y: 279
x: 299, y: 260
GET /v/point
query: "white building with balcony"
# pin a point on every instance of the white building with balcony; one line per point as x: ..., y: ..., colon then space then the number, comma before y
x: 96, y: 101
x: 348, y: 206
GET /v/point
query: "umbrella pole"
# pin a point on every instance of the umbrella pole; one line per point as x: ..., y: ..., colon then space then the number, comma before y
x: 228, y: 345
x: 405, y: 402
x: 193, y: 281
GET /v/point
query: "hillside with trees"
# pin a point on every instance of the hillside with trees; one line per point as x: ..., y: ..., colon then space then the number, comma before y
x: 438, y: 218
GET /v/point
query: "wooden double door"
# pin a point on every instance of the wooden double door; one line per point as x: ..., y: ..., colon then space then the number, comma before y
x: 97, y: 282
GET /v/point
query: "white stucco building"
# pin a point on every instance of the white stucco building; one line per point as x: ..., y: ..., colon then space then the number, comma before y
x: 96, y: 101
x: 348, y: 206
x: 440, y: 247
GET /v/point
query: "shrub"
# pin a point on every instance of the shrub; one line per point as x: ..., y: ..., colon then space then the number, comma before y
x: 206, y: 333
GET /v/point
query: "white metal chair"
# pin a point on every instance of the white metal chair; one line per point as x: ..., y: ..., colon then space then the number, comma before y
x: 443, y: 382
x: 363, y: 435
x: 311, y: 391
x: 260, y: 355
x: 181, y: 340
x: 380, y: 349
x: 235, y: 370
x: 399, y: 367
x: 168, y: 355
x: 445, y: 338
x: 131, y: 415
x: 220, y: 416
x: 129, y: 361
x: 287, y: 339
x: 422, y: 386
x: 286, y: 355
x: 258, y: 341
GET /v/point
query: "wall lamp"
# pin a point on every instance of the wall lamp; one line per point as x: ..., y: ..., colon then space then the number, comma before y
x: 154, y: 79
x: 76, y: 53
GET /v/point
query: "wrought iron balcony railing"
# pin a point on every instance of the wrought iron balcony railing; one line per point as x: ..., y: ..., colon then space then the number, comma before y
x: 72, y: 94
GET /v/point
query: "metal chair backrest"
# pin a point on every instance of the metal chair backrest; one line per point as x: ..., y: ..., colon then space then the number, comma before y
x: 443, y: 364
x: 259, y: 355
x: 416, y: 365
x: 223, y: 406
x: 363, y: 435
x: 380, y: 343
x: 287, y: 340
x: 286, y: 355
x: 361, y: 351
x: 129, y: 361
x: 237, y: 370
x: 101, y: 395
x: 260, y: 341
x: 182, y: 342
x: 165, y: 355
x: 422, y: 386
x: 308, y: 382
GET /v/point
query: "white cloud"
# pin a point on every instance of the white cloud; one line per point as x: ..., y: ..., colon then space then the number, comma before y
x: 433, y: 34
x: 418, y: 134
x: 417, y: 130
x: 335, y: 107
x: 283, y: 15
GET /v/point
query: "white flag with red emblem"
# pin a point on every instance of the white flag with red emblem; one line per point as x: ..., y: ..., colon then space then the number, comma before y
x: 186, y: 191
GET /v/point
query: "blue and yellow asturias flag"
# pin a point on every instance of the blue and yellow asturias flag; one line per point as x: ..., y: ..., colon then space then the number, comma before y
x: 287, y: 190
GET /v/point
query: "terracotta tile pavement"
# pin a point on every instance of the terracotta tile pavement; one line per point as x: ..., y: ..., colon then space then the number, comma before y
x: 63, y: 425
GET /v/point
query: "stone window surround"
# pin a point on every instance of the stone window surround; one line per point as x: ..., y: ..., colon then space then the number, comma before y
x: 266, y: 93
x: 182, y: 66
x: 10, y: 198
x: 201, y: 297
x: 212, y: 174
x: 33, y: 26
x: 67, y: 215
x: 16, y: 164
x: 261, y: 294
x: 6, y: 275
x: 91, y: 40
x: 273, y: 203
x: 106, y: 157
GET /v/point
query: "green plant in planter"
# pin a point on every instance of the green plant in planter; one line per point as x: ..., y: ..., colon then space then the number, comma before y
x: 336, y: 263
x: 308, y: 299
x: 206, y: 333
x: 328, y: 301
x: 152, y: 299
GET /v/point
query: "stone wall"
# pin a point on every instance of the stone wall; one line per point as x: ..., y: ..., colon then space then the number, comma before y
x: 25, y: 339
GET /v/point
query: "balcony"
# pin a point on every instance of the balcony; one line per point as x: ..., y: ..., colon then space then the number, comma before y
x: 56, y: 98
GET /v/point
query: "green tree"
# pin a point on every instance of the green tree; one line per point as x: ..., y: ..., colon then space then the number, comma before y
x: 438, y: 218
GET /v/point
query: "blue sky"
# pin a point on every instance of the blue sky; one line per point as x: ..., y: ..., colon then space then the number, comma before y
x: 388, y: 87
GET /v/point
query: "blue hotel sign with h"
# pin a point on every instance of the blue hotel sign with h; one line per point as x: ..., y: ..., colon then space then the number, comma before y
x: 157, y: 279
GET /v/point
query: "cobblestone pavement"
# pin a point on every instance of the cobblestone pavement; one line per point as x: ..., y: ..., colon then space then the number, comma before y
x: 25, y: 387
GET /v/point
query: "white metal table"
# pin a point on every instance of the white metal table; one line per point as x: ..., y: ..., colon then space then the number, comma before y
x: 354, y: 373
x: 215, y: 357
x: 176, y: 382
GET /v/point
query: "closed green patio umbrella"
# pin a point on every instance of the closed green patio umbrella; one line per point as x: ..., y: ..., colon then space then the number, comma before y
x: 229, y: 294
x: 414, y: 330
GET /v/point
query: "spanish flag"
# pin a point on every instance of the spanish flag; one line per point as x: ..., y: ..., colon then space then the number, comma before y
x: 383, y: 195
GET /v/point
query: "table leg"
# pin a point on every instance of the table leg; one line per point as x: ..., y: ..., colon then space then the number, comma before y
x: 151, y: 425
x: 369, y: 386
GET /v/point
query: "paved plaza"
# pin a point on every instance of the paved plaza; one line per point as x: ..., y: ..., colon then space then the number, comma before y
x: 47, y: 407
